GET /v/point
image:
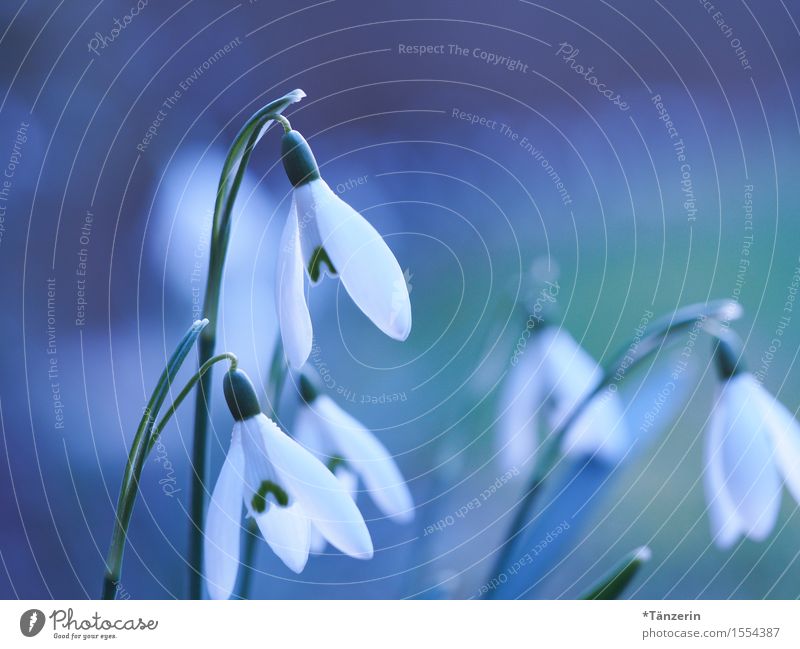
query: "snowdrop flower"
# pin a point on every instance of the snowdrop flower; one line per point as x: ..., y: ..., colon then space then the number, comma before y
x: 323, y: 234
x: 353, y: 454
x: 283, y: 487
x: 549, y: 377
x: 752, y: 445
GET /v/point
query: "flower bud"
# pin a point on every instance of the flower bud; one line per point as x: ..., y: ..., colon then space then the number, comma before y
x: 298, y: 160
x: 240, y: 395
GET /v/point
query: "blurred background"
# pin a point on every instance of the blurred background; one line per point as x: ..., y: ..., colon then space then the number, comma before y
x: 477, y: 140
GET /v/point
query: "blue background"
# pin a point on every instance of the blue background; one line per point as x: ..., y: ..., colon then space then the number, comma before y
x: 467, y: 211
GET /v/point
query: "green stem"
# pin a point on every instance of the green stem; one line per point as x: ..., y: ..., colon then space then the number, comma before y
x: 230, y: 180
x: 277, y: 377
x: 139, y: 448
x: 659, y: 334
x: 283, y: 122
x: 234, y: 363
x: 248, y: 559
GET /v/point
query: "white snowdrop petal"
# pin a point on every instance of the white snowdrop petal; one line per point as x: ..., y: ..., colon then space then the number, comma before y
x: 369, y: 458
x: 305, y: 200
x: 365, y: 264
x: 318, y: 542
x: 349, y: 481
x: 293, y: 315
x: 223, y: 525
x: 287, y: 531
x: 599, y: 430
x: 307, y: 431
x: 571, y: 373
x: 784, y: 431
x: 726, y: 527
x: 520, y: 403
x: 747, y: 458
x: 320, y: 494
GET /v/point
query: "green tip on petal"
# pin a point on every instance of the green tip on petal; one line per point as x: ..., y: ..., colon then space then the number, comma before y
x: 319, y: 257
x: 298, y: 160
x: 728, y: 356
x: 240, y: 395
x: 334, y: 463
x: 268, y: 487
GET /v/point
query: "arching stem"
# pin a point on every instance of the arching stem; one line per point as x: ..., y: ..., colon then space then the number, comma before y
x: 230, y: 181
x: 139, y: 450
x: 714, y: 314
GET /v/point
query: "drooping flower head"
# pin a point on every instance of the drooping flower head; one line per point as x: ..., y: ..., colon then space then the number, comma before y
x: 284, y: 488
x: 548, y: 380
x: 752, y: 445
x: 353, y: 453
x: 324, y: 235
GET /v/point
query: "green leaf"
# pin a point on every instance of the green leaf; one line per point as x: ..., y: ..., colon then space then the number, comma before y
x: 138, y: 452
x: 612, y: 585
x: 141, y: 441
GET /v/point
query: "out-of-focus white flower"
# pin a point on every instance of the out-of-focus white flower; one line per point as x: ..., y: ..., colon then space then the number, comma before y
x: 353, y: 453
x: 599, y: 430
x: 323, y: 234
x: 550, y: 377
x: 178, y: 241
x: 752, y: 445
x: 285, y: 489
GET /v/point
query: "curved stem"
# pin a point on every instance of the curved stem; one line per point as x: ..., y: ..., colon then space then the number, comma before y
x: 208, y: 344
x: 234, y: 363
x: 283, y: 122
x: 719, y: 311
x: 659, y: 334
x: 230, y: 180
x: 136, y: 456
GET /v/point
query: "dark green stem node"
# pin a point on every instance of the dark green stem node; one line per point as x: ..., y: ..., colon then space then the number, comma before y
x: 728, y: 356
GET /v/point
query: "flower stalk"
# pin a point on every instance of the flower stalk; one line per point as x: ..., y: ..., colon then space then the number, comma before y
x: 712, y: 315
x: 230, y: 181
x: 282, y: 486
x: 142, y: 444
